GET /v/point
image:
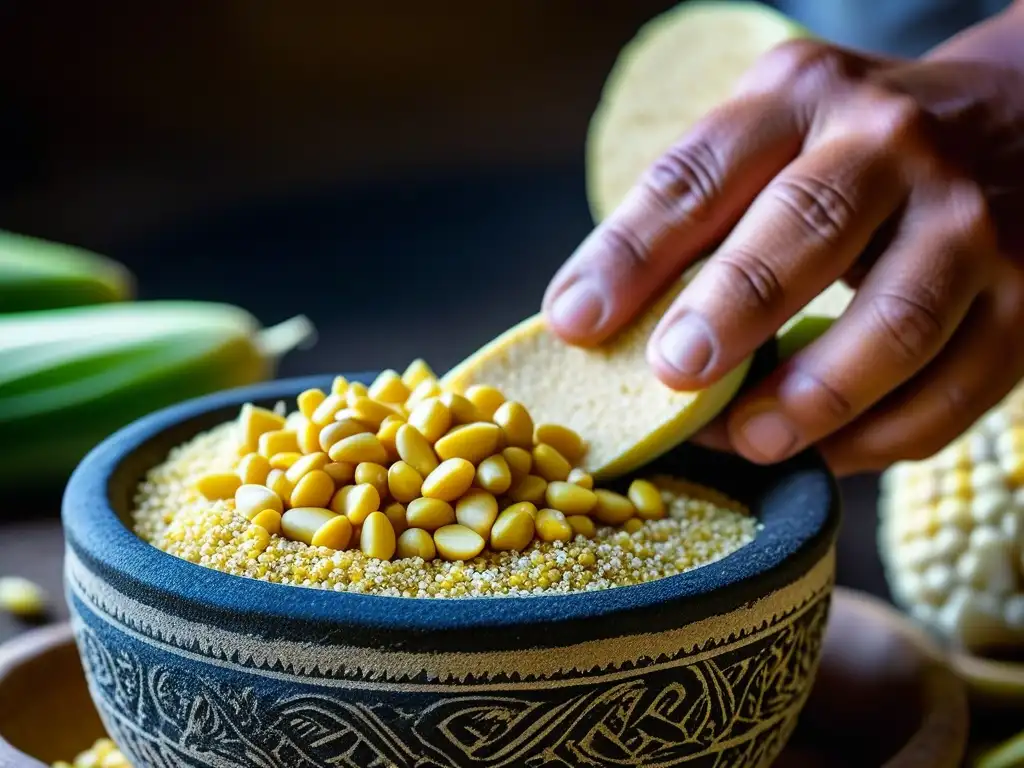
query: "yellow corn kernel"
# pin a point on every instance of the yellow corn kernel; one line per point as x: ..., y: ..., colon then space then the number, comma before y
x: 22, y: 597
x: 493, y: 475
x: 337, y: 431
x: 451, y: 479
x: 374, y: 474
x: 388, y: 387
x: 531, y: 488
x: 302, y: 523
x: 388, y: 434
x: 308, y: 435
x: 472, y: 442
x: 486, y: 399
x: 431, y: 419
x: 513, y: 530
x: 269, y: 520
x: 562, y: 439
x: 356, y: 389
x: 314, y: 489
x: 336, y: 533
x: 647, y: 499
x: 457, y: 542
x: 549, y: 463
x: 339, y: 499
x: 218, y: 485
x: 341, y: 472
x: 278, y: 483
x: 477, y: 510
x: 586, y: 559
x: 578, y: 477
x: 304, y: 466
x: 359, y: 448
x: 633, y: 525
x: 395, y: 512
x: 404, y: 482
x: 425, y: 390
x: 250, y: 500
x: 582, y: 525
x: 253, y: 469
x: 524, y: 506
x: 516, y: 424
x: 519, y: 461
x: 285, y: 459
x: 309, y: 401
x: 1015, y: 475
x: 613, y: 508
x: 463, y: 411
x: 552, y: 526
x: 377, y: 537
x: 569, y: 498
x: 370, y: 412
x: 414, y: 450
x: 429, y: 514
x: 278, y: 441
x: 324, y: 413
x: 416, y: 542
x: 339, y: 386
x: 253, y: 422
x: 416, y: 373
x: 360, y: 502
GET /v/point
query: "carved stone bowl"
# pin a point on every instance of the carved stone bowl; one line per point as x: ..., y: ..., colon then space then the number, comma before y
x: 190, y: 667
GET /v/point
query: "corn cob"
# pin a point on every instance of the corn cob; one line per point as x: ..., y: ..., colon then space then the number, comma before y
x: 951, y: 534
x: 71, y: 377
x: 37, y: 274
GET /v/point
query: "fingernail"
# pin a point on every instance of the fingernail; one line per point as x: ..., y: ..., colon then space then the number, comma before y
x: 579, y: 307
x: 770, y: 435
x: 686, y: 345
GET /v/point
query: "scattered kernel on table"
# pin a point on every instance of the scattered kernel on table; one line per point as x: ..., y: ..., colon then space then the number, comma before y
x: 102, y: 754
x: 403, y: 489
x: 22, y: 597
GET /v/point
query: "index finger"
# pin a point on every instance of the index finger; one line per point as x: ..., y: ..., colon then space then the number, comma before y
x: 687, y: 201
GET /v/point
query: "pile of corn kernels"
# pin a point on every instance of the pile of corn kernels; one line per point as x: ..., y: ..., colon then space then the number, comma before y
x: 403, y: 489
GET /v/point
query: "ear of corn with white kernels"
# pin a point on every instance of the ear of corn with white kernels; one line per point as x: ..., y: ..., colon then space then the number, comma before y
x: 951, y: 533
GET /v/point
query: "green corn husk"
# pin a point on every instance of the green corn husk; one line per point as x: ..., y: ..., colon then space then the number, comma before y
x: 71, y: 377
x: 37, y: 274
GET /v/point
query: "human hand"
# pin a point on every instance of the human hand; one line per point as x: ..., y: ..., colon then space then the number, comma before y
x: 905, y: 179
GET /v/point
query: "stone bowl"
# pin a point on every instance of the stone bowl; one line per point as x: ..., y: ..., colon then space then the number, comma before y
x: 188, y: 666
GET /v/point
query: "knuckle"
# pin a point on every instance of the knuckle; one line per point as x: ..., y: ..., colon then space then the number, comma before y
x: 625, y: 249
x: 756, y: 282
x: 972, y: 216
x: 896, y: 120
x: 686, y: 179
x: 908, y: 325
x: 822, y: 397
x: 794, y: 60
x: 824, y: 211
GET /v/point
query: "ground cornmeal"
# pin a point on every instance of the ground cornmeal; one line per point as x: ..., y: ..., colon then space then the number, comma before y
x: 697, y: 526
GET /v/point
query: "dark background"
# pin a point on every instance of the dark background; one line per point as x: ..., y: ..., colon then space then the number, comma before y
x: 408, y: 177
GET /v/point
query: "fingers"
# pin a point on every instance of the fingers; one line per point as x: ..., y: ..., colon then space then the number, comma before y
x: 685, y: 203
x: 802, y: 233
x: 906, y: 310
x: 984, y: 360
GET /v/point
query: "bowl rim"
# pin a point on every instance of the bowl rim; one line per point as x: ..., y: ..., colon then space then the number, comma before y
x: 95, y: 534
